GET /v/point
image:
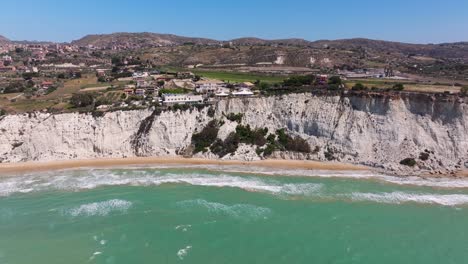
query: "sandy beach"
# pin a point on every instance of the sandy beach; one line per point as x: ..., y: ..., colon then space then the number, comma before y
x: 26, y: 167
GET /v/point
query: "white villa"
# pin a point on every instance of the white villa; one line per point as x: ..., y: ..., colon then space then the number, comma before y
x: 243, y: 92
x: 182, y: 99
x: 208, y: 86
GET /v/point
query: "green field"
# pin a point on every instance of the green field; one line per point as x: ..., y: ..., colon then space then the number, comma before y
x: 239, y: 77
x: 233, y: 77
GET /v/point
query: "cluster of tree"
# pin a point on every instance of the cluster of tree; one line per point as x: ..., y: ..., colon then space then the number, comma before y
x: 289, y: 143
x: 464, y: 90
x: 203, y: 140
x: 79, y: 100
x: 69, y: 75
x: 362, y: 87
x: 14, y: 87
x: 235, y: 117
x: 299, y: 81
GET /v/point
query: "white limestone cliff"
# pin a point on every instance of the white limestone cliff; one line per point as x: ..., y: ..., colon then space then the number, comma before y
x: 374, y: 131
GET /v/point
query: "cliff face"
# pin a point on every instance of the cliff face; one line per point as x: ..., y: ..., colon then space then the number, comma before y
x: 379, y: 132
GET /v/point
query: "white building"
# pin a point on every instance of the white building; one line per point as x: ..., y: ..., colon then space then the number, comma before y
x: 223, y: 92
x: 182, y: 99
x: 243, y: 92
x: 208, y: 86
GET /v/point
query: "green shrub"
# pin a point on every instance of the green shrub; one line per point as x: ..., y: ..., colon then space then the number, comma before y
x: 82, y: 100
x: 464, y: 90
x: 299, y: 81
x: 329, y: 154
x: 235, y: 117
x: 297, y: 144
x: 228, y: 146
x: 335, y: 80
x: 410, y: 162
x: 211, y: 112
x: 424, y: 156
x: 253, y: 137
x: 398, y: 87
x: 359, y: 87
x: 206, y: 137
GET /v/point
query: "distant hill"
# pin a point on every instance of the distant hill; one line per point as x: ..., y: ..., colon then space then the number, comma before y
x: 440, y: 51
x: 140, y: 40
x: 4, y: 40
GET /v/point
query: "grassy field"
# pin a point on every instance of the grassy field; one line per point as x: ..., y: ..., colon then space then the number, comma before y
x: 72, y: 86
x: 233, y: 77
x: 409, y: 86
x: 239, y: 77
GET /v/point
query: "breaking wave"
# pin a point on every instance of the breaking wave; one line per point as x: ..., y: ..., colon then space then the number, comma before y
x: 100, y: 208
x: 91, y: 179
x: 94, y: 179
x: 401, y: 197
x: 238, y: 211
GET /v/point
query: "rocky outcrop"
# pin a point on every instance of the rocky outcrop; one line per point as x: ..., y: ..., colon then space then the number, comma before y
x: 374, y: 131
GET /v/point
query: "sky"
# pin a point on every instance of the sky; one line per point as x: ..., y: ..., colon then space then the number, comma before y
x: 412, y: 21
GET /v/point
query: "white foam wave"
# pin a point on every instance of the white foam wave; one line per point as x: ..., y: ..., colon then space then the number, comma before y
x: 95, y: 179
x: 100, y: 208
x: 182, y: 253
x: 401, y: 197
x: 238, y: 211
x: 449, y: 183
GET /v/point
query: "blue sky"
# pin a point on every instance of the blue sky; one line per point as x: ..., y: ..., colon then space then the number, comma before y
x: 415, y: 21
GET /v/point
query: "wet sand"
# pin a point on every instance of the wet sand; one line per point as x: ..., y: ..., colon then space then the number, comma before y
x: 28, y: 167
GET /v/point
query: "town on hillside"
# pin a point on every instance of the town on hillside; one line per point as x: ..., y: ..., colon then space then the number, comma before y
x: 68, y: 77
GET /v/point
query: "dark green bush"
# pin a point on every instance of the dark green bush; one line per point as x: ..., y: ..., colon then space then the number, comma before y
x: 359, y: 87
x: 398, y: 87
x: 424, y: 156
x: 254, y: 137
x: 206, y: 137
x: 410, y: 162
x: 211, y: 112
x: 228, y: 146
x: 82, y: 100
x: 235, y: 117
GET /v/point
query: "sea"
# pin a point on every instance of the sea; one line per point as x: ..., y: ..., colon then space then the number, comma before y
x: 230, y: 214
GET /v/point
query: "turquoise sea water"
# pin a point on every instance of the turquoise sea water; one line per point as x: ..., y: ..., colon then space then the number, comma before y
x: 221, y: 215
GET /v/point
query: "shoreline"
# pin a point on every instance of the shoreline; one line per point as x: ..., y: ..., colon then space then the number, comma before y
x: 27, y: 167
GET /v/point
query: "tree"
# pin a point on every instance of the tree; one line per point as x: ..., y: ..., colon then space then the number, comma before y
x: 398, y: 87
x: 82, y: 100
x: 359, y: 87
x: 263, y: 86
x: 464, y: 90
x: 335, y: 80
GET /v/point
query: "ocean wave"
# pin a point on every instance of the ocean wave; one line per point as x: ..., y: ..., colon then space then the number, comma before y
x: 100, y: 208
x: 182, y: 253
x: 97, y: 178
x: 448, y: 183
x: 402, y: 197
x: 237, y: 211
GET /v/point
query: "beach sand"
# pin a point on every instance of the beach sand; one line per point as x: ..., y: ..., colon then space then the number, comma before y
x: 27, y: 167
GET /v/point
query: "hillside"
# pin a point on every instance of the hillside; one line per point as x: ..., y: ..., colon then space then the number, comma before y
x: 4, y: 40
x: 139, y: 40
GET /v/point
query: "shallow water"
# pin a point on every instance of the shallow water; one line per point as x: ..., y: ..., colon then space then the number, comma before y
x: 230, y: 215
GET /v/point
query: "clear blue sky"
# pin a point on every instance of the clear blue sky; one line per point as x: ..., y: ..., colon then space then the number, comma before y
x: 416, y: 21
